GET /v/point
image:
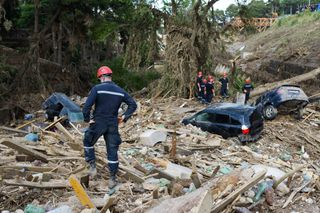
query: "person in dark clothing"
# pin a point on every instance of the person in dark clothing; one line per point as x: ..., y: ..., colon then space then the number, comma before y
x: 246, y: 89
x: 203, y: 90
x: 224, y: 82
x: 107, y: 98
x: 209, y: 89
x: 198, y: 84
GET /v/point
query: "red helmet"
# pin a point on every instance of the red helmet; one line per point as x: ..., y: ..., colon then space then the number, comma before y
x: 204, y: 81
x: 199, y: 73
x: 104, y: 70
x: 248, y: 80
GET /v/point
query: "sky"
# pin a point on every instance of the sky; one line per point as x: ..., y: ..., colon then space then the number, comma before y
x: 223, y: 4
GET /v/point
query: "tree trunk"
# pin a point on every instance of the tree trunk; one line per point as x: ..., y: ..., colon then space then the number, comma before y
x: 36, y: 16
x: 54, y: 43
x: 60, y: 44
x: 297, y: 79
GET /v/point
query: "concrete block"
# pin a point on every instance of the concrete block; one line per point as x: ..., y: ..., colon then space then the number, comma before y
x: 151, y: 137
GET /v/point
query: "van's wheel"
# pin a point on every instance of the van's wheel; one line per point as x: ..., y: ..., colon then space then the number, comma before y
x: 269, y: 112
x: 299, y: 113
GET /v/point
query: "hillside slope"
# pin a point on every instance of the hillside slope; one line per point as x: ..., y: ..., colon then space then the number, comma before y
x: 290, y: 47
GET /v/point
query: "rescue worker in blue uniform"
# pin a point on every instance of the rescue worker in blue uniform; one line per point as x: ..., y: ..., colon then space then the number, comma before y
x: 107, y: 98
x: 209, y: 89
x: 198, y: 84
x: 246, y: 89
x: 224, y: 82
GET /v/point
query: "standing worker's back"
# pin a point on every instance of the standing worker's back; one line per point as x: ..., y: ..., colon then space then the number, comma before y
x: 107, y: 98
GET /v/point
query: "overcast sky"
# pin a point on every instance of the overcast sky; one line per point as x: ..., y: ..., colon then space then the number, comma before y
x: 223, y: 4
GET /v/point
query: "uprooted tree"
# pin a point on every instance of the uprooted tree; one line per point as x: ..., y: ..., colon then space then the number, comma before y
x: 190, y: 44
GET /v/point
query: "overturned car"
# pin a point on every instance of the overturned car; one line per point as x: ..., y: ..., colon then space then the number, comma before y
x: 285, y: 99
x: 229, y: 120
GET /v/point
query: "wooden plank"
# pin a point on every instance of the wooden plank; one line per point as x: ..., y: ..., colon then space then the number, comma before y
x: 31, y: 168
x: 24, y: 149
x: 65, y: 131
x: 226, y: 201
x: 162, y: 174
x: 131, y: 175
x: 107, y: 205
x: 26, y: 124
x: 24, y: 158
x: 54, y: 122
x: 80, y: 192
x: 42, y: 185
x: 13, y: 130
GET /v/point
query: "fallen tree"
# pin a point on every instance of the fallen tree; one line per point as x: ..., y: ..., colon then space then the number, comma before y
x: 297, y: 79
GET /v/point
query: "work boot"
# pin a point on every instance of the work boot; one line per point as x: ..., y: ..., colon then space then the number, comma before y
x: 112, y: 182
x: 92, y: 169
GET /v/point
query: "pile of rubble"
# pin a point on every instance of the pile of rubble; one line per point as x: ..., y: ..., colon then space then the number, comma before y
x: 164, y: 166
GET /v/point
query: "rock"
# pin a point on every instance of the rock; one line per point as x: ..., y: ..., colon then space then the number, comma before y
x: 214, y: 142
x: 309, y: 201
x: 247, y: 55
x: 144, y: 150
x: 19, y: 211
x: 306, y: 155
x: 178, y: 171
x: 250, y: 193
x: 152, y: 137
x: 61, y: 209
x: 5, y: 211
x: 88, y: 211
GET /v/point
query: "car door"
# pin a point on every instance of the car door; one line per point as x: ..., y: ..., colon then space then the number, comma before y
x: 234, y: 127
x: 201, y: 120
x: 220, y: 124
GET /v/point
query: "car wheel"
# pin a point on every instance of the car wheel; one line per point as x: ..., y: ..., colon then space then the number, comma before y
x: 299, y: 113
x: 269, y: 112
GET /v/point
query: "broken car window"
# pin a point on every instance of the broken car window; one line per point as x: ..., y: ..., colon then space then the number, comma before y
x: 202, y: 117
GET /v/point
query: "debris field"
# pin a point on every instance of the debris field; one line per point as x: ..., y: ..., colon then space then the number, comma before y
x: 164, y: 165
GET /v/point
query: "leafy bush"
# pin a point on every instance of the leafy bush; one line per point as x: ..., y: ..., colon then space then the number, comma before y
x: 128, y: 79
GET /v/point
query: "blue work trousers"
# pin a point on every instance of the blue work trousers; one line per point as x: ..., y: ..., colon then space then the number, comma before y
x: 112, y: 138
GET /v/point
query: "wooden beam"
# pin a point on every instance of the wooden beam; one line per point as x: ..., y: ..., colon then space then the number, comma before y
x: 131, y: 175
x: 42, y: 185
x: 65, y: 131
x: 226, y: 201
x: 24, y: 149
x: 31, y: 168
x: 24, y: 158
x: 54, y: 122
x: 13, y: 130
x: 108, y: 204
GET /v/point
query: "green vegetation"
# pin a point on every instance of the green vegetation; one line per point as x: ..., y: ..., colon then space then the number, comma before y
x: 298, y: 19
x: 128, y: 79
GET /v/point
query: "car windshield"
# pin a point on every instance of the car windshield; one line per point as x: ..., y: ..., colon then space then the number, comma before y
x: 202, y: 117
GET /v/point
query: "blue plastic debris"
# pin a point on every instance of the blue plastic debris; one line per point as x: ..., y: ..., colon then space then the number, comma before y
x: 28, y: 116
x: 58, y: 104
x: 32, y: 137
x: 225, y: 170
